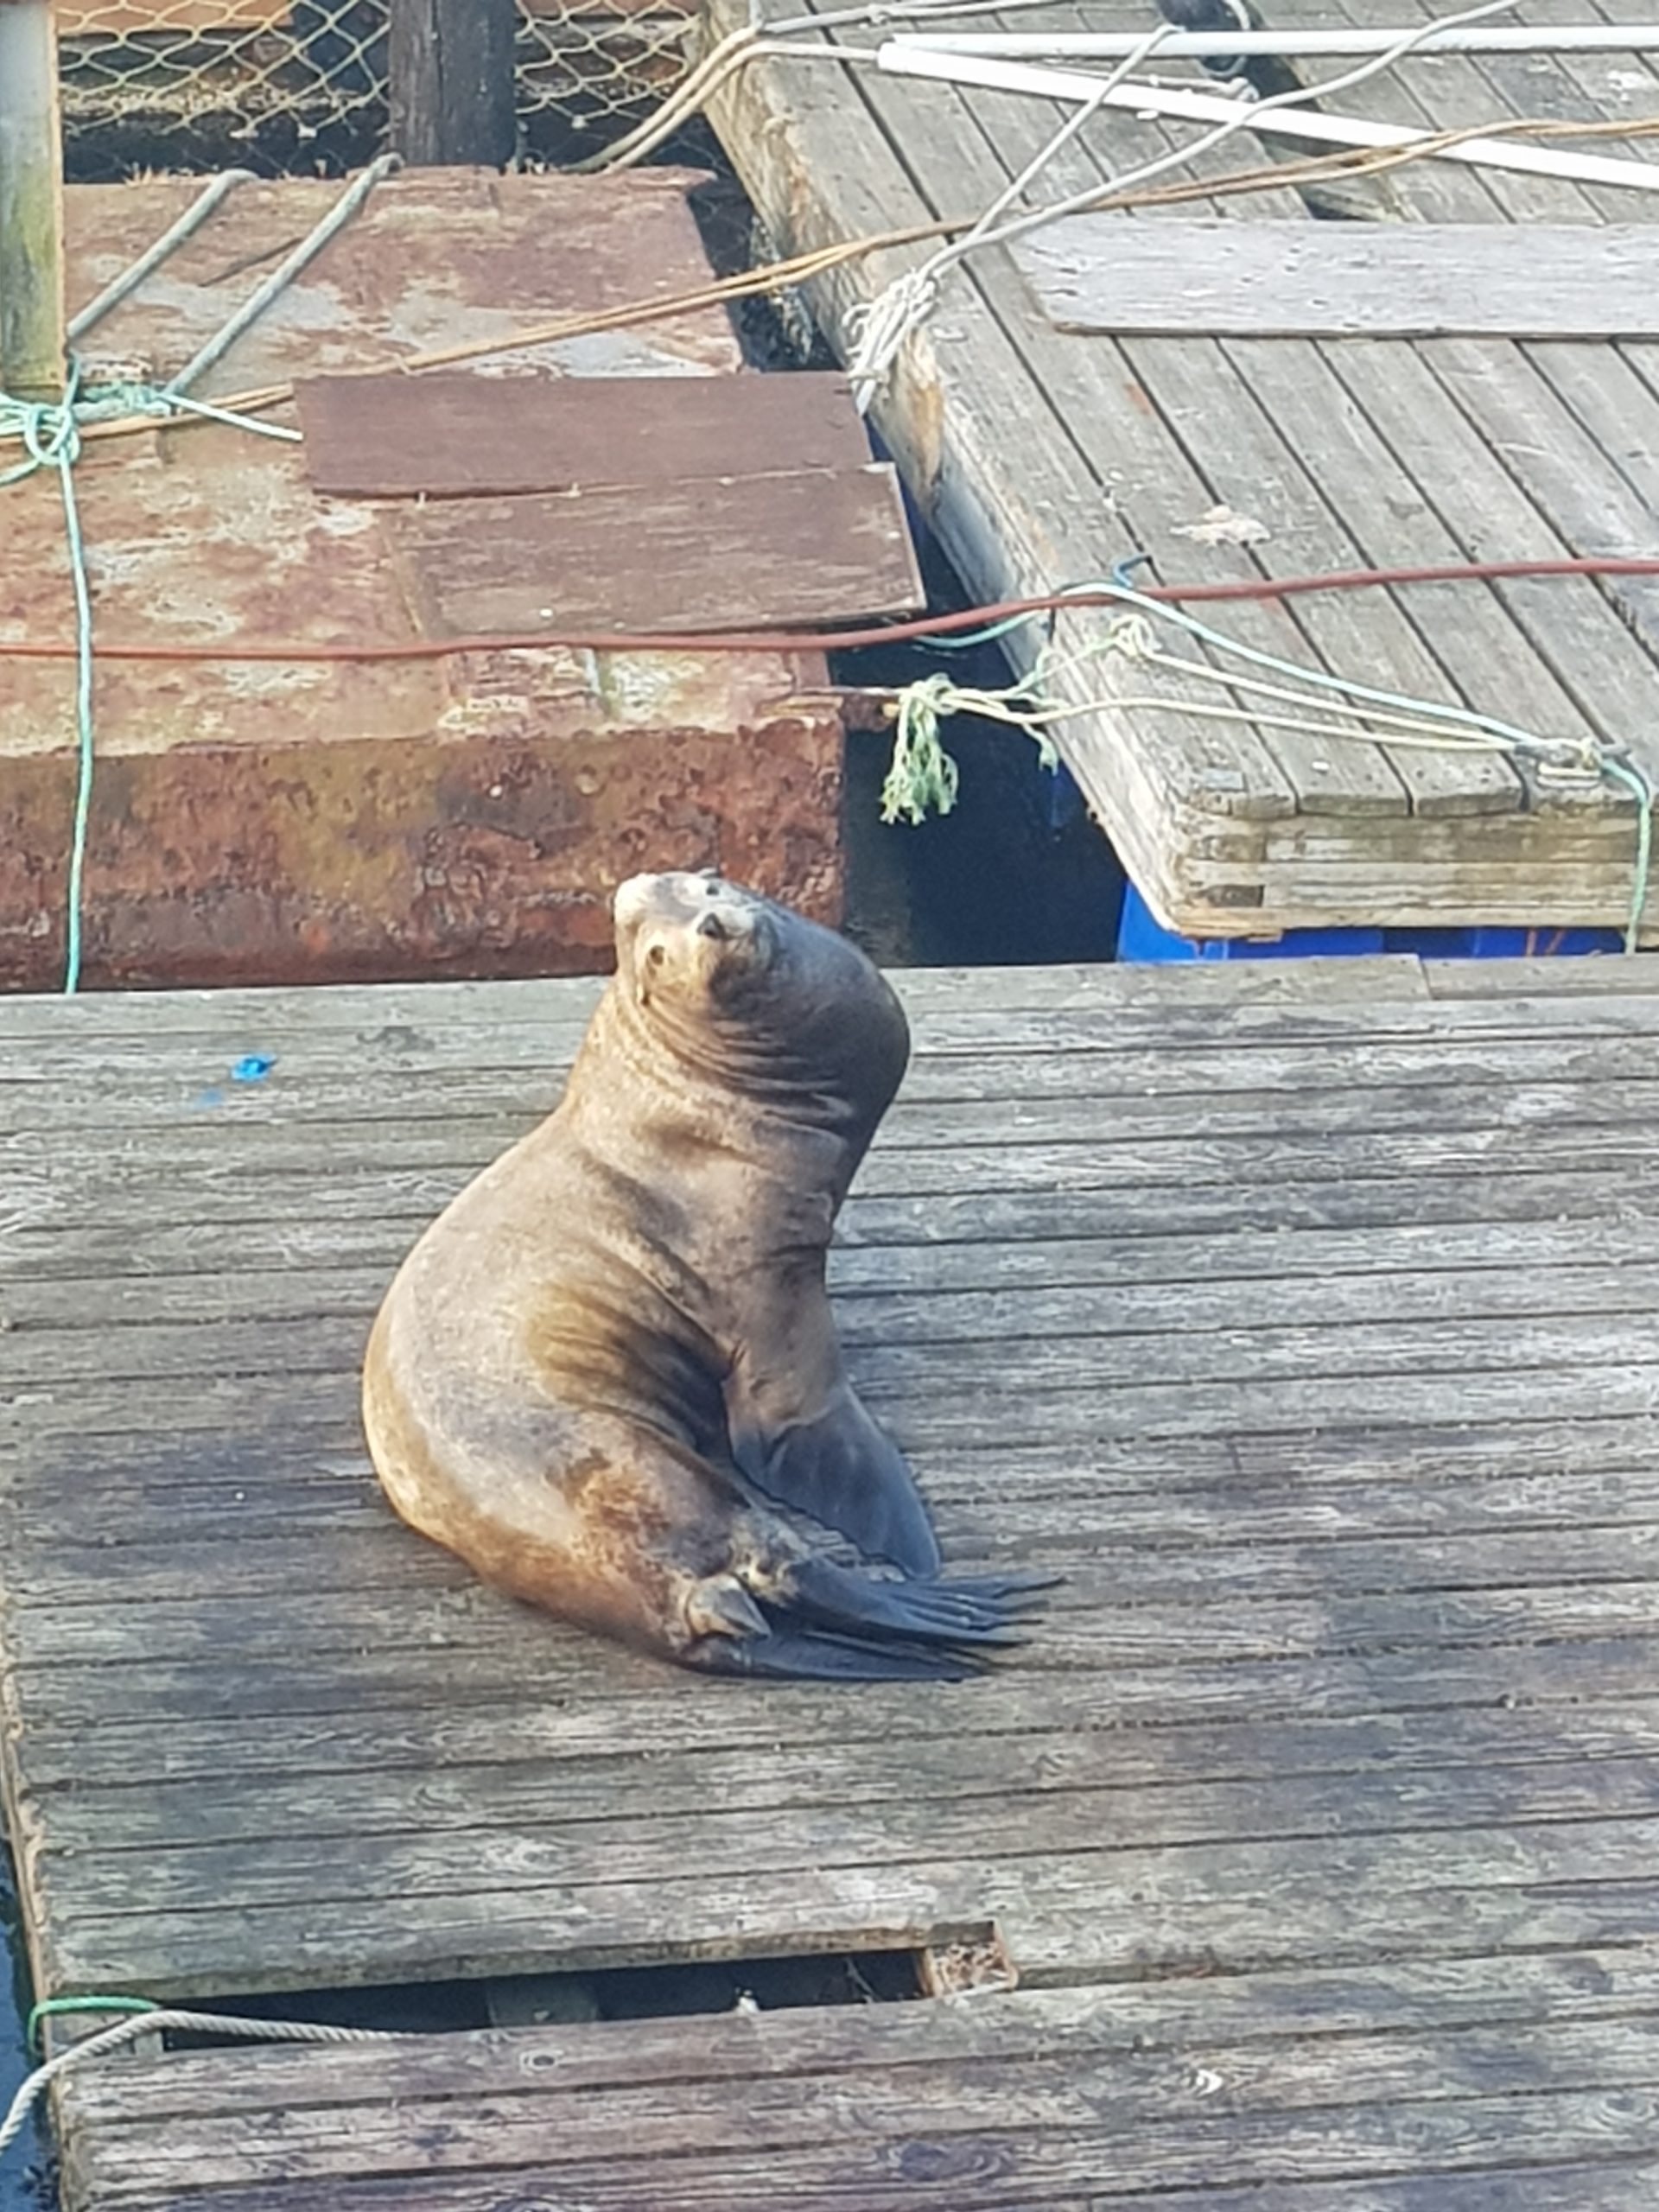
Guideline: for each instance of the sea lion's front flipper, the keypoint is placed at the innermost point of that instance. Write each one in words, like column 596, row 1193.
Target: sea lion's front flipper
column 830, row 1460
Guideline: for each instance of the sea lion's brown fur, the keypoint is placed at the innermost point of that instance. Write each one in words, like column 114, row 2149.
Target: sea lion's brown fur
column 615, row 1346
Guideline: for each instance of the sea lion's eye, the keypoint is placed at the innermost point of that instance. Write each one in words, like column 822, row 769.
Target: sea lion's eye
column 711, row 925
column 655, row 956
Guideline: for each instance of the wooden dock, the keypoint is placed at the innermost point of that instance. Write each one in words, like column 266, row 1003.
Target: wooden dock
column 1043, row 457
column 1304, row 1317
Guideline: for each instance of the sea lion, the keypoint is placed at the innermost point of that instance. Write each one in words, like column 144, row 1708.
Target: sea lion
column 602, row 1369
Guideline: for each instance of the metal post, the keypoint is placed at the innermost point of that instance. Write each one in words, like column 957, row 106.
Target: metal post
column 31, row 204
column 451, row 69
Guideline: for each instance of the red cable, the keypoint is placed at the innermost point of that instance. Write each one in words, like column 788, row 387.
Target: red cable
column 802, row 641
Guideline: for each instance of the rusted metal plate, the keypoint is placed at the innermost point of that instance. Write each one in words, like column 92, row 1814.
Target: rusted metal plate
column 363, row 860
column 447, row 434
column 435, row 258
column 734, row 554
column 325, row 819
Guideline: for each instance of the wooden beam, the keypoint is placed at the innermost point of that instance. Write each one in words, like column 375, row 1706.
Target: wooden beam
column 1103, row 274
column 452, row 81
column 31, row 204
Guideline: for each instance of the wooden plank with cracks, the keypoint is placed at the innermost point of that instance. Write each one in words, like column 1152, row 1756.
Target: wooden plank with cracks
column 798, row 547
column 1108, row 276
column 452, row 436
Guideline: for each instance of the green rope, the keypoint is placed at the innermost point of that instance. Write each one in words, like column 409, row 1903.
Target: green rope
column 921, row 777
column 1636, row 781
column 51, row 2008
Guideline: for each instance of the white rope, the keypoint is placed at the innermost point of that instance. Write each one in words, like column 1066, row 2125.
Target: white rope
column 152, row 2023
column 283, row 275
column 129, row 279
column 922, row 776
column 776, row 41
column 883, row 328
column 895, row 315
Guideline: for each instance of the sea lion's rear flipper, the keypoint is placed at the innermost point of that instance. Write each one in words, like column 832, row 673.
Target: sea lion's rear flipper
column 838, row 1466
column 829, row 1623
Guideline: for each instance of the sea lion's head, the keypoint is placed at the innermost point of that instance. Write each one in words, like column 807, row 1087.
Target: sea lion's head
column 694, row 945
column 734, row 981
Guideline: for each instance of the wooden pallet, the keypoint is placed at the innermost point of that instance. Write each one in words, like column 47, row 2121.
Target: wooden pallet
column 1302, row 1317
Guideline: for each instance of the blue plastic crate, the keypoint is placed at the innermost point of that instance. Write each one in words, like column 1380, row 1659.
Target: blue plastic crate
column 1141, row 937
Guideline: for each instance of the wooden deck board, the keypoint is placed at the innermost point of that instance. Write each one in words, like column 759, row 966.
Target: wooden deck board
column 1311, row 1335
column 1351, row 452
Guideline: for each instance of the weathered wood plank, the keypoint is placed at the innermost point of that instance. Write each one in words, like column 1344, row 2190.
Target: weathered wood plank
column 1085, row 1917
column 504, row 1083
column 216, row 1406
column 923, row 1366
column 1441, row 1262
column 640, row 1703
column 1561, row 2187
column 56, row 1243
column 525, row 1755
column 157, row 1328
column 449, row 436
column 819, row 2184
column 1107, row 274
column 414, row 1014
column 1143, row 2095
column 800, row 546
column 937, row 1808
column 553, row 2062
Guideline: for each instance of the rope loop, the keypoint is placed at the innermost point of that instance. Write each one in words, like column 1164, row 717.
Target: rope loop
column 155, row 2019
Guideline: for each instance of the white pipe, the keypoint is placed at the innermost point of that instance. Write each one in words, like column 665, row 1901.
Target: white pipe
column 1304, row 45
column 907, row 61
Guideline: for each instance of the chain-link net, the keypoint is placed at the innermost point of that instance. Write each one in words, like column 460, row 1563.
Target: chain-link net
column 301, row 85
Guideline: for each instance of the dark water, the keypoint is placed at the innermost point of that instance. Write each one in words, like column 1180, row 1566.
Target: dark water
column 28, row 2180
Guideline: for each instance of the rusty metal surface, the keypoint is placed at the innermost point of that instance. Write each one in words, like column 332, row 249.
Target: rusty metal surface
column 433, row 257
column 327, row 820
column 364, row 860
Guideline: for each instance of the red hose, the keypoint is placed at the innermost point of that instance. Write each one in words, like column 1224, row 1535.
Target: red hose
column 802, row 641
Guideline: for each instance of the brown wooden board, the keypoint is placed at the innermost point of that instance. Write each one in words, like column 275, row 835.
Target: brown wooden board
column 809, row 546
column 1346, row 280
column 452, row 434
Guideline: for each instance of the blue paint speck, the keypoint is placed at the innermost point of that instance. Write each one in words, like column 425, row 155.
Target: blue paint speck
column 252, row 1067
